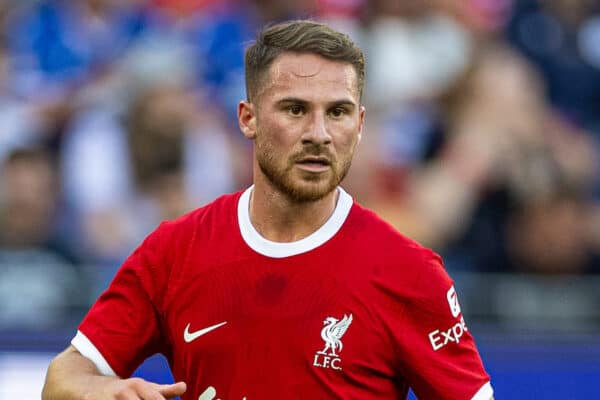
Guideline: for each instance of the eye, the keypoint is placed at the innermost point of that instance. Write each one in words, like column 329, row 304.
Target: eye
column 337, row 112
column 295, row 110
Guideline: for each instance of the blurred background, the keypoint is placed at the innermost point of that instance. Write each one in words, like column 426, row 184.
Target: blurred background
column 481, row 142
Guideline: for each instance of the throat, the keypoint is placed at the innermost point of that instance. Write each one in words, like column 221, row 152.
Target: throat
column 279, row 220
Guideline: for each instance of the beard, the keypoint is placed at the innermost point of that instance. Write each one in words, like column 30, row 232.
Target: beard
column 302, row 187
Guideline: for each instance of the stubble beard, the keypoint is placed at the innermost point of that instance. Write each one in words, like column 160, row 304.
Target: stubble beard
column 307, row 187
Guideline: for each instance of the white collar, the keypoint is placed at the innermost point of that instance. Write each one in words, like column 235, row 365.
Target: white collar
column 278, row 249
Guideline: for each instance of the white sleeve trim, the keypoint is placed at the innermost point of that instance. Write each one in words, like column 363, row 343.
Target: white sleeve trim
column 89, row 351
column 484, row 393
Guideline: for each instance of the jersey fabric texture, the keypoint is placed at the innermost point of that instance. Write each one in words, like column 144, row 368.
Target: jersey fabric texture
column 353, row 311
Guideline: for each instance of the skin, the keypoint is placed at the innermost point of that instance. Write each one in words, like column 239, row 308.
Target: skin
column 71, row 376
column 306, row 122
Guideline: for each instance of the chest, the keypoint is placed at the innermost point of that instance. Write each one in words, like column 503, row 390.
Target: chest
column 273, row 329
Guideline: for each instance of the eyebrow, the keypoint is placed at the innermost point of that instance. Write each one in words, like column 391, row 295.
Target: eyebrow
column 335, row 103
column 293, row 100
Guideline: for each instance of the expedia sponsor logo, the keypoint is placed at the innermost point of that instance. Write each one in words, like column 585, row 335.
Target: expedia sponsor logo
column 441, row 338
column 453, row 302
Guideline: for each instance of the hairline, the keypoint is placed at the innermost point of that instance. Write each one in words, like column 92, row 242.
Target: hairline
column 263, row 76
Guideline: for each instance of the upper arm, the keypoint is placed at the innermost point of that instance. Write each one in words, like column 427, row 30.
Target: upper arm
column 439, row 356
column 72, row 360
column 73, row 356
column 71, row 350
column 123, row 327
column 67, row 365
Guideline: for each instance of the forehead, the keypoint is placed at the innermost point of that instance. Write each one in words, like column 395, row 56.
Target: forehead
column 311, row 78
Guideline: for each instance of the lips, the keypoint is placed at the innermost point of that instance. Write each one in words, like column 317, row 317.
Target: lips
column 314, row 164
column 314, row 160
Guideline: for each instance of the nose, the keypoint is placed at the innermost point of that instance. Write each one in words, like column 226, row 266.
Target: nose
column 317, row 132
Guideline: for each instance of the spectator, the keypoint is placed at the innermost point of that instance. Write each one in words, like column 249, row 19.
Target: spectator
column 160, row 159
column 40, row 286
column 562, row 38
column 492, row 166
column 58, row 45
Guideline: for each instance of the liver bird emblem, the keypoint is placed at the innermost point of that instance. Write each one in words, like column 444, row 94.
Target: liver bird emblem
column 332, row 333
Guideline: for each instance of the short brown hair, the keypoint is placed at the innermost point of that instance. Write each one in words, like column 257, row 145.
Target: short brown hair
column 302, row 36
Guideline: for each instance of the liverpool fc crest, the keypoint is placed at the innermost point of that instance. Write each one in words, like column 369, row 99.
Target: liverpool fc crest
column 332, row 334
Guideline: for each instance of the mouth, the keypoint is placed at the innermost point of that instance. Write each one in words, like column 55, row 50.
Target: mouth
column 314, row 163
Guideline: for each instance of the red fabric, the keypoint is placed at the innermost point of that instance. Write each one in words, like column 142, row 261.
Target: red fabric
column 199, row 271
column 184, row 7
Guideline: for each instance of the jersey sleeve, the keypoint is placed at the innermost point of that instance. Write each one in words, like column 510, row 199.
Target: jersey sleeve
column 440, row 359
column 123, row 327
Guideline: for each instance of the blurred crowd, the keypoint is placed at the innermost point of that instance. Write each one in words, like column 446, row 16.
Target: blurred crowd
column 481, row 141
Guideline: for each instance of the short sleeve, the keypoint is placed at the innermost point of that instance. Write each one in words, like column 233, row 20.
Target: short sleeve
column 123, row 327
column 439, row 356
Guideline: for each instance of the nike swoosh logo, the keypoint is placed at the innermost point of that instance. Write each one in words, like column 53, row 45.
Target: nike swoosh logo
column 190, row 336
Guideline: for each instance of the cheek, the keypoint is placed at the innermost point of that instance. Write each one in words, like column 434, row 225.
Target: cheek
column 350, row 149
column 281, row 134
column 270, row 141
column 348, row 138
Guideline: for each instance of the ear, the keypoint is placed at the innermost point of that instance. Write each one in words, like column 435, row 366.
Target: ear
column 247, row 119
column 361, row 122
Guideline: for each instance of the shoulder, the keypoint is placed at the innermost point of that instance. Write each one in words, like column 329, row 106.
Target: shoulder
column 172, row 238
column 163, row 253
column 402, row 264
column 380, row 235
column 220, row 209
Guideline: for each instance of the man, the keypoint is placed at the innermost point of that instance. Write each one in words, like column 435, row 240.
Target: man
column 288, row 289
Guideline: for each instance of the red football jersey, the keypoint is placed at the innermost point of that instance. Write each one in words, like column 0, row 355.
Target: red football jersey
column 353, row 311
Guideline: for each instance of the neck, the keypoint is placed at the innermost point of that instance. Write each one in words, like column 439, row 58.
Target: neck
column 280, row 219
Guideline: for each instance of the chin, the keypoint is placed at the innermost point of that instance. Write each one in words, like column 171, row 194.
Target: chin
column 298, row 186
column 306, row 195
column 308, row 191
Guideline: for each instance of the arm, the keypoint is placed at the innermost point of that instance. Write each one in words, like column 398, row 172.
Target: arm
column 439, row 358
column 71, row 376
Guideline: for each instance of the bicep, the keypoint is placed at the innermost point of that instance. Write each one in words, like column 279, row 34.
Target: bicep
column 123, row 327
column 71, row 358
column 439, row 353
column 67, row 375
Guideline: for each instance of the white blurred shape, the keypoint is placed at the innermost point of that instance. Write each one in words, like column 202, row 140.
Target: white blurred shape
column 22, row 375
column 589, row 41
column 415, row 59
